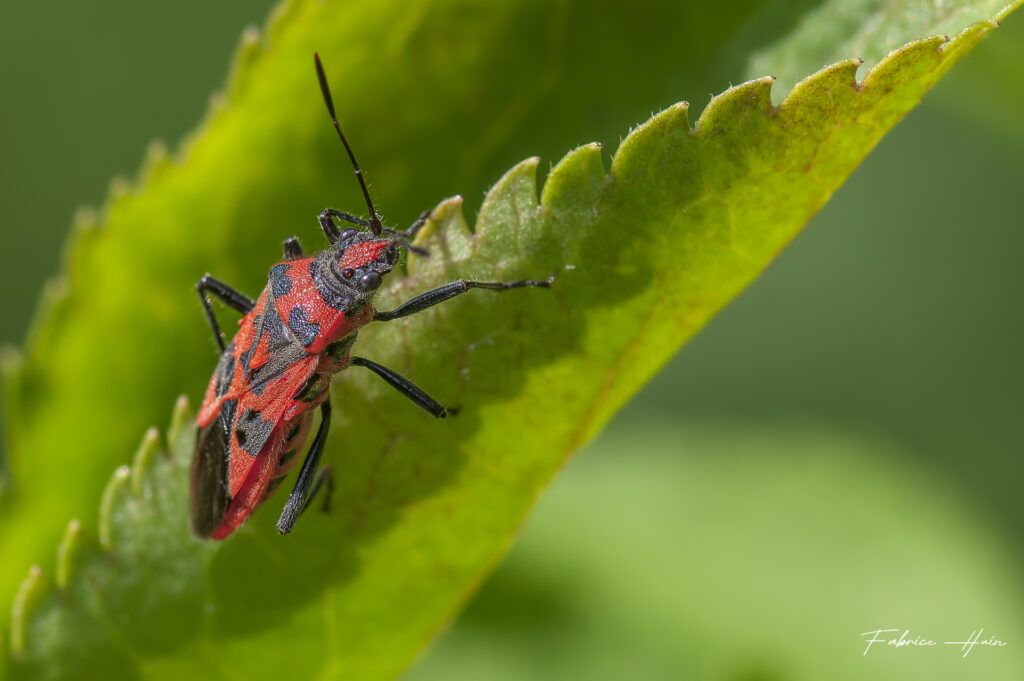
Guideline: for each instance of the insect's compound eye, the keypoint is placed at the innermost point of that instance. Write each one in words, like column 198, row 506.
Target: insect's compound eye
column 348, row 274
column 347, row 234
column 370, row 280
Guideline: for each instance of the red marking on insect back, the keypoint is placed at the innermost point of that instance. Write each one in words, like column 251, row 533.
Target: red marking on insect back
column 362, row 254
column 333, row 323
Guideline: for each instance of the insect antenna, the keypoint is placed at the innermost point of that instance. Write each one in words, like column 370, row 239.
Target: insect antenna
column 375, row 224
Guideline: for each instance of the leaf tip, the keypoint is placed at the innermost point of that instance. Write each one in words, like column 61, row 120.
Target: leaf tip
column 446, row 230
column 144, row 458
column 29, row 593
column 673, row 120
column 576, row 178
column 118, row 483
column 181, row 418
column 737, row 102
column 67, row 551
column 11, row 360
column 250, row 36
column 86, row 219
column 157, row 159
column 120, row 186
column 842, row 73
column 519, row 181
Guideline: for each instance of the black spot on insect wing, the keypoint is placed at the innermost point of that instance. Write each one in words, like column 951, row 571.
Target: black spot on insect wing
column 280, row 282
column 252, row 432
column 305, row 330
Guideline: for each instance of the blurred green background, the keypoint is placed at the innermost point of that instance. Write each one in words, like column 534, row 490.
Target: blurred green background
column 839, row 451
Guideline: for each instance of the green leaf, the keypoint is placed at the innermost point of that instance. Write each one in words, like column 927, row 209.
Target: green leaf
column 747, row 551
column 645, row 255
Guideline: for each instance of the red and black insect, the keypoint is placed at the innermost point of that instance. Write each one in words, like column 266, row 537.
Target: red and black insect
column 258, row 408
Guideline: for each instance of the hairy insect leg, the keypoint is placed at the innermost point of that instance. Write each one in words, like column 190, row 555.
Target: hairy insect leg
column 305, row 488
column 415, row 227
column 449, row 291
column 331, row 230
column 406, row 387
column 292, row 248
column 225, row 293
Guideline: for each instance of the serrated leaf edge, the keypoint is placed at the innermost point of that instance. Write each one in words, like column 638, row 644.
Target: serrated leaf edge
column 749, row 95
column 125, row 479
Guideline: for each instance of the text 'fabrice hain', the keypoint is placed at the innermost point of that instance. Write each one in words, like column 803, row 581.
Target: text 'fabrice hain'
column 890, row 639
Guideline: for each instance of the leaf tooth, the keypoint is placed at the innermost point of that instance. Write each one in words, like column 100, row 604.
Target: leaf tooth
column 827, row 80
column 575, row 181
column 967, row 38
column 509, row 211
column 634, row 153
column 118, row 485
column 156, row 162
column 446, row 236
column 181, row 418
column 12, row 367
column 32, row 589
column 120, row 186
column 998, row 18
column 902, row 64
column 250, row 50
column 86, row 219
column 520, row 182
column 68, row 551
column 736, row 104
column 144, row 458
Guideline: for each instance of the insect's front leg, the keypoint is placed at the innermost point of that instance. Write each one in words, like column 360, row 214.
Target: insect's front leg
column 292, row 248
column 305, row 488
column 331, row 230
column 449, row 291
column 225, row 293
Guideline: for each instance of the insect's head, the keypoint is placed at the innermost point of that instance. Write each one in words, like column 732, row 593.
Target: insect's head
column 362, row 259
column 359, row 259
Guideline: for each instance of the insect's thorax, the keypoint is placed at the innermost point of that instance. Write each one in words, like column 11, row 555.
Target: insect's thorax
column 313, row 305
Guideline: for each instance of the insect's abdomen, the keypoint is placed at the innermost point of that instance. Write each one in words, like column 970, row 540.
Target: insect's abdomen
column 278, row 456
column 288, row 446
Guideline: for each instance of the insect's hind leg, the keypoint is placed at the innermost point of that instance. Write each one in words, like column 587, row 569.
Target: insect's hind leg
column 406, row 387
column 305, row 488
column 232, row 296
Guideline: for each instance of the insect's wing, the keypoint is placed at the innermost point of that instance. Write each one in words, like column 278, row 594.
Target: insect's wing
column 210, row 495
column 248, row 455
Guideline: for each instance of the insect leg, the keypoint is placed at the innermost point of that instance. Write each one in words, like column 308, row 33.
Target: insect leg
column 298, row 499
column 227, row 294
column 326, row 475
column 330, row 229
column 404, row 386
column 418, row 225
column 449, row 291
column 292, row 248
